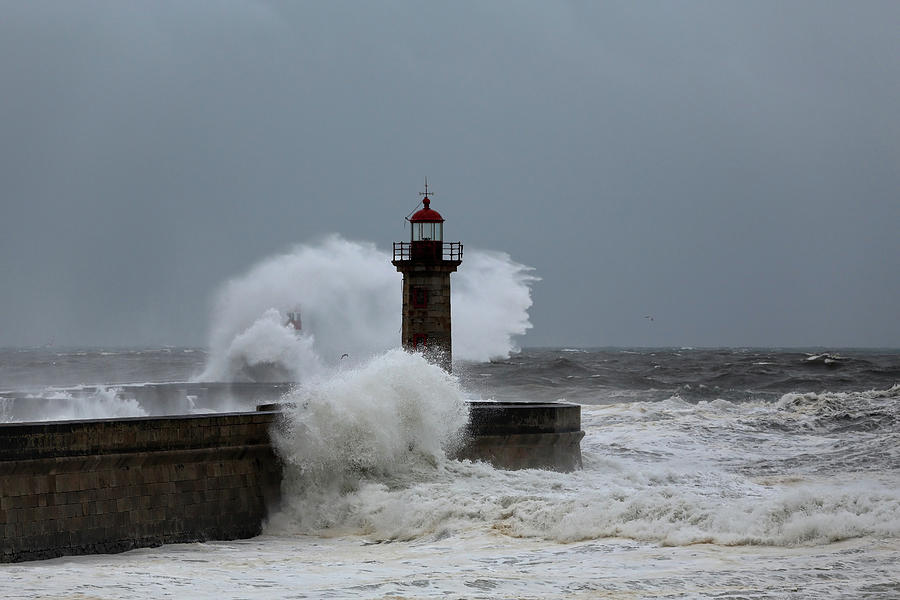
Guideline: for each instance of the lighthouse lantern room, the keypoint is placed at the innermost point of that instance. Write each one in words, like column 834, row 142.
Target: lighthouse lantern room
column 426, row 262
column 427, row 224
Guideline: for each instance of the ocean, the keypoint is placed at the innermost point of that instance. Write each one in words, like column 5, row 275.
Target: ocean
column 708, row 473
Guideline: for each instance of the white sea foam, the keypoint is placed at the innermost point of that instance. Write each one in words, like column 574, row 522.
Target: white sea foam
column 672, row 506
column 348, row 294
column 100, row 403
column 668, row 506
column 670, row 473
column 386, row 423
column 876, row 410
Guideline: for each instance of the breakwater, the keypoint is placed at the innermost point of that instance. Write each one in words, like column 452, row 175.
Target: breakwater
column 109, row 485
column 524, row 435
column 83, row 487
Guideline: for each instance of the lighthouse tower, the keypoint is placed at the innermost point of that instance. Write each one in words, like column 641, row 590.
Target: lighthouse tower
column 426, row 262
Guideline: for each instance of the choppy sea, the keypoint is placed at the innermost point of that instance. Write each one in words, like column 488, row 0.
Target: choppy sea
column 708, row 473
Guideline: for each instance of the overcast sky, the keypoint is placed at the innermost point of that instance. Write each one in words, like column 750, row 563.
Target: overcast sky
column 731, row 168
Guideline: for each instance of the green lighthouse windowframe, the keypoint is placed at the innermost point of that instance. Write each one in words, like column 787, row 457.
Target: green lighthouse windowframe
column 419, row 296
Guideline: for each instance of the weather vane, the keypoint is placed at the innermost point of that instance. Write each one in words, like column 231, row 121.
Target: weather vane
column 425, row 193
column 425, row 196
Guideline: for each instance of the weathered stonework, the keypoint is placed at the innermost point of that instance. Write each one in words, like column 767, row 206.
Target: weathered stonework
column 433, row 319
column 524, row 435
column 80, row 487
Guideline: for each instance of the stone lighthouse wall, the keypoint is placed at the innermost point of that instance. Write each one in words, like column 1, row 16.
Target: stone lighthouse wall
column 426, row 309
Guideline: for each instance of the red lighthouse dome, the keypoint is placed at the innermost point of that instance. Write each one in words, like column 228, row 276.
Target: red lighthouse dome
column 427, row 214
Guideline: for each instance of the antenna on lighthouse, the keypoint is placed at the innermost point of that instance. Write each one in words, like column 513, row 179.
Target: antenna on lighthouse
column 425, row 193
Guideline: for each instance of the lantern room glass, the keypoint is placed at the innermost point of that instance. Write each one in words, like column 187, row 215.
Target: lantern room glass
column 427, row 231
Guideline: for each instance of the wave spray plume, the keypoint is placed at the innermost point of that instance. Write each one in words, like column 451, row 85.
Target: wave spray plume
column 349, row 297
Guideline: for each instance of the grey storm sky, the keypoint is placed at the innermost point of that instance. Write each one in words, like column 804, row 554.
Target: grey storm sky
column 731, row 168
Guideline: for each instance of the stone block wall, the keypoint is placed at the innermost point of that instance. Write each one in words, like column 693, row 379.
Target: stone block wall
column 433, row 318
column 80, row 487
column 524, row 435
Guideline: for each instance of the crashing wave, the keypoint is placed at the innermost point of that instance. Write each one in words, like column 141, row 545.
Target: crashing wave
column 825, row 359
column 349, row 296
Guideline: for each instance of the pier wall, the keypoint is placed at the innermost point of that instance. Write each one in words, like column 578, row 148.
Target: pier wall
column 84, row 487
column 524, row 435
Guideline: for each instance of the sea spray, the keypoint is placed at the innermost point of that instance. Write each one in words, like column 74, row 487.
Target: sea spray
column 490, row 298
column 348, row 296
column 270, row 351
column 103, row 402
column 343, row 290
column 385, row 424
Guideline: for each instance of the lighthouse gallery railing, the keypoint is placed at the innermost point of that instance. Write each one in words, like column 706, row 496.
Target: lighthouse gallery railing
column 425, row 249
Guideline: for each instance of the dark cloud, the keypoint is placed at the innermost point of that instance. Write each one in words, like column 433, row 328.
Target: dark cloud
column 729, row 168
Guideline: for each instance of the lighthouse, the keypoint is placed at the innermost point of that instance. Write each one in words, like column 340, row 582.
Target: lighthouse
column 426, row 262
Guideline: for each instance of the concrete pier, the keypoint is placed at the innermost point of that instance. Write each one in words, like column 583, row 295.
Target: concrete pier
column 525, row 435
column 108, row 485
column 86, row 487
